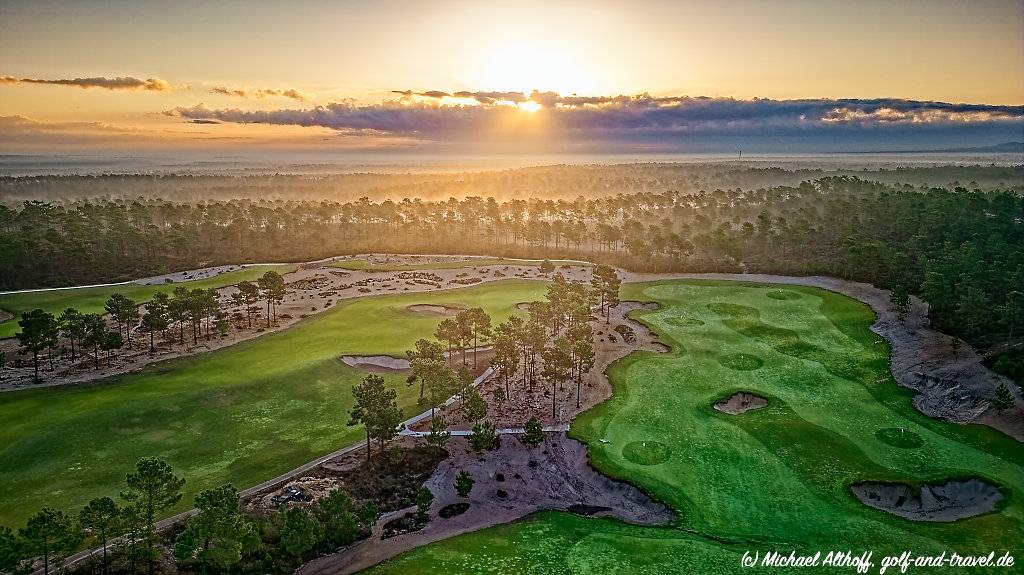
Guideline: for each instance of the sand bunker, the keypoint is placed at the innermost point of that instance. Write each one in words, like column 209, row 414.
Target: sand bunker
column 940, row 503
column 741, row 361
column 377, row 363
column 5, row 315
column 898, row 437
column 434, row 309
column 741, row 402
column 523, row 306
column 646, row 452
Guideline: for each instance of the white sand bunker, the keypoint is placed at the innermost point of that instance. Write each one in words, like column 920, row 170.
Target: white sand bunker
column 741, row 402
column 5, row 315
column 434, row 309
column 377, row 363
column 523, row 306
column 940, row 503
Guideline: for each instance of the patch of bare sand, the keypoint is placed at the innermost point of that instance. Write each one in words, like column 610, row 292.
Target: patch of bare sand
column 555, row 475
column 950, row 381
column 5, row 315
column 741, row 402
column 377, row 363
column 946, row 502
column 434, row 309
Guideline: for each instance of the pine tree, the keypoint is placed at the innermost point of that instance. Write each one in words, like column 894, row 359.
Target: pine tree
column 39, row 330
column 1003, row 399
column 377, row 409
column 463, row 483
column 533, row 433
column 153, row 488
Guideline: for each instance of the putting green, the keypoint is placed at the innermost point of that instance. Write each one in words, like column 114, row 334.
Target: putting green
column 92, row 299
column 772, row 479
column 241, row 414
column 897, row 437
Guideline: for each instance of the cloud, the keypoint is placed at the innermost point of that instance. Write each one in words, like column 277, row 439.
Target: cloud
column 642, row 118
column 20, row 134
column 260, row 93
column 119, row 83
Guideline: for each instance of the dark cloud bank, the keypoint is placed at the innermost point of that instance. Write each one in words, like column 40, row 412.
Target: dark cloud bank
column 119, row 83
column 655, row 123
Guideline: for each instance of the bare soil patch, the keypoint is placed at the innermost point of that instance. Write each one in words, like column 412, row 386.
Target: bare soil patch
column 434, row 309
column 390, row 479
column 741, row 402
column 377, row 363
column 946, row 502
column 555, row 475
column 310, row 283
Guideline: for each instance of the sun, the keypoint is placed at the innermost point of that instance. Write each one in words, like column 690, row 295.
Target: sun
column 529, row 106
column 524, row 68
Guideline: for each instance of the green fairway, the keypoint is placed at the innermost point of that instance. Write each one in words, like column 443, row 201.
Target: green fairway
column 550, row 543
column 772, row 479
column 365, row 265
column 242, row 414
column 92, row 299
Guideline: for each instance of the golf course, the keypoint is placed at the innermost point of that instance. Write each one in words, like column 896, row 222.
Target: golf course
column 238, row 415
column 92, row 299
column 775, row 478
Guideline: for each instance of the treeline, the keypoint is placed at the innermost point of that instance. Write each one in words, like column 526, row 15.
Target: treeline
column 220, row 537
column 41, row 331
column 556, row 182
column 962, row 250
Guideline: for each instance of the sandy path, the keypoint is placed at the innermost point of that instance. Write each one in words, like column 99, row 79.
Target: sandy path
column 952, row 384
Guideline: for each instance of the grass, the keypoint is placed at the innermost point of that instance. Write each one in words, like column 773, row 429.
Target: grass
column 92, row 299
column 550, row 543
column 776, row 478
column 365, row 265
column 241, row 414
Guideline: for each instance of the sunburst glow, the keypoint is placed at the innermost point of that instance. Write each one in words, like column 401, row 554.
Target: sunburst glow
column 524, row 68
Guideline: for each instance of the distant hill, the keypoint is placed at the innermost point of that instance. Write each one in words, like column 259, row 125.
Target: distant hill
column 1004, row 148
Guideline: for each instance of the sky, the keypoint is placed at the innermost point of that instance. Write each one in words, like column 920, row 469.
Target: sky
column 524, row 76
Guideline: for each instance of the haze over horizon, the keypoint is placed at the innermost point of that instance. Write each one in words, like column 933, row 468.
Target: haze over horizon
column 460, row 79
